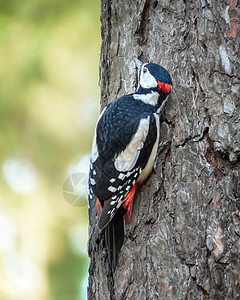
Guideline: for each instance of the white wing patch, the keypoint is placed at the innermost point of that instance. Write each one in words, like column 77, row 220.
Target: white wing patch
column 127, row 159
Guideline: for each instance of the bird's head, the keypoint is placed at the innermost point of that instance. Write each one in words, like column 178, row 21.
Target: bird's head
column 153, row 77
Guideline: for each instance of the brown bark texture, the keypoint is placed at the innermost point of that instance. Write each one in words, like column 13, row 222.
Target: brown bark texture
column 183, row 241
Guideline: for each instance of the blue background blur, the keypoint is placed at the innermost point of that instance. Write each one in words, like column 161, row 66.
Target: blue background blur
column 49, row 103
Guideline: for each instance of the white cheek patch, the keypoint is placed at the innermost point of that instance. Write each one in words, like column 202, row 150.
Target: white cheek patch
column 147, row 81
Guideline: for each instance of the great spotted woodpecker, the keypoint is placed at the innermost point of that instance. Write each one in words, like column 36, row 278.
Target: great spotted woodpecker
column 124, row 149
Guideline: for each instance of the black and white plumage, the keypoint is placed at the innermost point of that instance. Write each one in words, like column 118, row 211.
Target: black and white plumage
column 124, row 148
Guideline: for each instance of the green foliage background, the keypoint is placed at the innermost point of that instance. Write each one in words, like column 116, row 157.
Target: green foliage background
column 49, row 55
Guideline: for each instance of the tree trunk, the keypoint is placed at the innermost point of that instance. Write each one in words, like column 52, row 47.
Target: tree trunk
column 183, row 240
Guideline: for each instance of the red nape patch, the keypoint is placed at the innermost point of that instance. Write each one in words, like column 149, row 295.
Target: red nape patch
column 164, row 87
column 128, row 202
column 98, row 205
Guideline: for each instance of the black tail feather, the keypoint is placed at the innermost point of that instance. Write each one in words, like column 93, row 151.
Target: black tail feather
column 114, row 236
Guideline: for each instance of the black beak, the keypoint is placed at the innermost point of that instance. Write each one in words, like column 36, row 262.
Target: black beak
column 138, row 64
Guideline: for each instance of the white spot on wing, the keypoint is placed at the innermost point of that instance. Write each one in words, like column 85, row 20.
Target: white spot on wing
column 92, row 181
column 121, row 176
column 110, row 212
column 119, row 203
column 112, row 189
column 112, row 180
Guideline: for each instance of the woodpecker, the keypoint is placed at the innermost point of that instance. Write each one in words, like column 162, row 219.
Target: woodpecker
column 124, row 150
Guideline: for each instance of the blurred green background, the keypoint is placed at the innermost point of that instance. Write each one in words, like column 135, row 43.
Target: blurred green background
column 49, row 103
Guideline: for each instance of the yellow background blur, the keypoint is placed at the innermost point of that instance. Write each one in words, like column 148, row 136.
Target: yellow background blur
column 49, row 95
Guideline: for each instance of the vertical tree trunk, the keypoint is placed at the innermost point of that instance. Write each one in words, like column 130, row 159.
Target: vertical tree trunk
column 183, row 240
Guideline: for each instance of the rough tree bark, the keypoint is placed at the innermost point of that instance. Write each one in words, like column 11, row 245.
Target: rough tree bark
column 183, row 240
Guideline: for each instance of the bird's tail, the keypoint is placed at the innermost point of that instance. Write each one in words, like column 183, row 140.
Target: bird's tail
column 114, row 236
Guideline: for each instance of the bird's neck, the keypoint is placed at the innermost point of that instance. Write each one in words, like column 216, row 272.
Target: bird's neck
column 150, row 96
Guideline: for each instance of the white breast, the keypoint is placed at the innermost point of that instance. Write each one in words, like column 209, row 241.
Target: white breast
column 149, row 166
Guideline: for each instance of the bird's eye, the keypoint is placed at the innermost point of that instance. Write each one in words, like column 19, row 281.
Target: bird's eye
column 145, row 70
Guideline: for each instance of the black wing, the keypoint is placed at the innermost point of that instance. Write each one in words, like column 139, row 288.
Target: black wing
column 123, row 144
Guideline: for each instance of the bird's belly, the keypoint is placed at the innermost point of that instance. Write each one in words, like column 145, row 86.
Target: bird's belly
column 149, row 166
